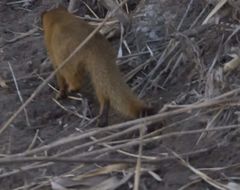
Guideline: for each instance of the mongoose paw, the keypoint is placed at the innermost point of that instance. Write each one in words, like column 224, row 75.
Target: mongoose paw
column 61, row 95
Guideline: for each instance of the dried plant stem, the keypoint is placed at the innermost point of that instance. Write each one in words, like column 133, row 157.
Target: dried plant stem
column 147, row 120
column 19, row 94
column 153, row 139
column 139, row 160
column 185, row 15
column 202, row 175
column 82, row 157
column 37, row 165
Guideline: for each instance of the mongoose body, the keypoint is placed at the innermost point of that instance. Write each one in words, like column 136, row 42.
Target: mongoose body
column 63, row 32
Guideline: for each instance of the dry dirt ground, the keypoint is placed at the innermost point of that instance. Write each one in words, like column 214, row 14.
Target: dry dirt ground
column 181, row 70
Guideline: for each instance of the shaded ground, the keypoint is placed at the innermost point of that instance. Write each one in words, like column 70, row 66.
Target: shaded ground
column 175, row 81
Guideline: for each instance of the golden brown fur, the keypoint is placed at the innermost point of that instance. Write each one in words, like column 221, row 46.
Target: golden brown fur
column 63, row 32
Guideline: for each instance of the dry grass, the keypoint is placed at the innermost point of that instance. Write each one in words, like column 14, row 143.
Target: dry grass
column 107, row 158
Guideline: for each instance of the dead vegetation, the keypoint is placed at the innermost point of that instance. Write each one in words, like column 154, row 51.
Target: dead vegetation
column 181, row 56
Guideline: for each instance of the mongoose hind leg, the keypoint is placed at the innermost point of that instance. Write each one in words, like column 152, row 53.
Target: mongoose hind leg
column 61, row 82
column 75, row 80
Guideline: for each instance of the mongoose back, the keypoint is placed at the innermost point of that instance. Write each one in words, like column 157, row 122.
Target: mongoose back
column 63, row 32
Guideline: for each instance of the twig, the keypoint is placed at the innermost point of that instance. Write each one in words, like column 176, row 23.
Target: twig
column 19, row 94
column 177, row 63
column 171, row 47
column 25, row 168
column 70, row 111
column 153, row 139
column 220, row 47
column 190, row 184
column 210, row 124
column 185, row 15
column 57, row 91
column 137, row 69
column 48, row 164
column 79, row 158
column 122, row 151
column 147, row 120
column 233, row 33
column 199, row 16
column 120, row 13
column 121, row 133
column 124, row 180
column 167, row 68
column 33, row 141
column 202, row 175
column 89, row 8
column 219, row 5
column 139, row 161
column 78, row 137
column 177, row 123
column 29, row 76
column 236, row 165
column 21, row 36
